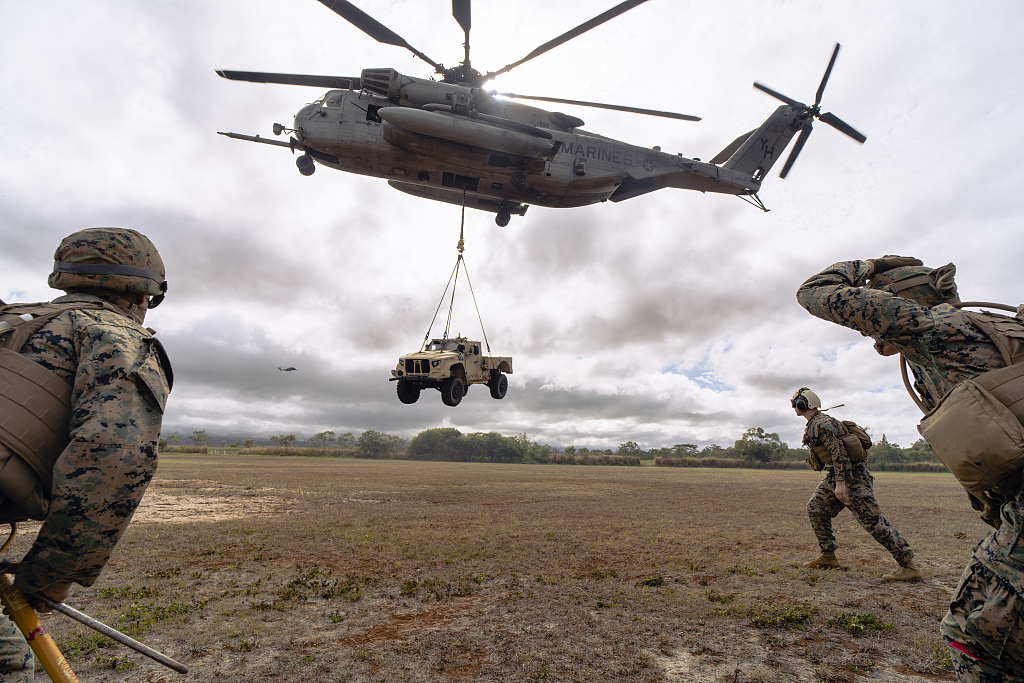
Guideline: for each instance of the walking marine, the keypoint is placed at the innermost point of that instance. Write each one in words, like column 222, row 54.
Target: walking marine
column 82, row 392
column 847, row 483
column 908, row 309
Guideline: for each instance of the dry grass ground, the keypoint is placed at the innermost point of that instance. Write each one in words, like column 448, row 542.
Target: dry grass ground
column 285, row 569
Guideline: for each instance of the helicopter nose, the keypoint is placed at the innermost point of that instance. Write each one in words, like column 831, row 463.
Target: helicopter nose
column 305, row 114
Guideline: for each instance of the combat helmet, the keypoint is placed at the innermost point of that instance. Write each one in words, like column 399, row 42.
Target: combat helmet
column 928, row 287
column 110, row 259
column 805, row 399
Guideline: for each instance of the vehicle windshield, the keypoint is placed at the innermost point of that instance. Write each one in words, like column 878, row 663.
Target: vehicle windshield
column 443, row 345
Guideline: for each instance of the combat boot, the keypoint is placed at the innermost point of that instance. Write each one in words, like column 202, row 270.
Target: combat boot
column 908, row 571
column 827, row 560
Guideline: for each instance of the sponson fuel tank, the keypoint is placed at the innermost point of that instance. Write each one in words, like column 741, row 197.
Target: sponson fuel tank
column 466, row 131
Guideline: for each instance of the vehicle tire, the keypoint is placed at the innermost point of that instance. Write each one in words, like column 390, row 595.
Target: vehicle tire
column 408, row 392
column 305, row 164
column 452, row 391
column 502, row 218
column 498, row 385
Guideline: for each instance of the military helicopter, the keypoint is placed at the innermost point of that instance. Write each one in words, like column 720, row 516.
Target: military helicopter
column 452, row 141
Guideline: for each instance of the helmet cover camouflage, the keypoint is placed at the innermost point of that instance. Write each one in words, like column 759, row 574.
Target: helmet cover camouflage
column 112, row 259
column 810, row 398
column 924, row 285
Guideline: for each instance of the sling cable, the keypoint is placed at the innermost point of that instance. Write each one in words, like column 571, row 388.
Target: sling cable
column 453, row 280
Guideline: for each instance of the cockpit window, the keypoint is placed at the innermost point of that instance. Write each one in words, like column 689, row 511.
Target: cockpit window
column 334, row 99
column 434, row 346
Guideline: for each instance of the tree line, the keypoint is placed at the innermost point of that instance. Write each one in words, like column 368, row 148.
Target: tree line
column 755, row 446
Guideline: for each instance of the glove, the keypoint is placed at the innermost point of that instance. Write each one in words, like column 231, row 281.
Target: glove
column 880, row 265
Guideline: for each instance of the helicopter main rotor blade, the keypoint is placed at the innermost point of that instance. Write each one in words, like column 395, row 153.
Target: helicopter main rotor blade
column 569, row 35
column 779, row 96
column 801, row 140
column 843, row 127
column 373, row 28
column 329, row 82
column 599, row 105
column 462, row 14
column 824, row 79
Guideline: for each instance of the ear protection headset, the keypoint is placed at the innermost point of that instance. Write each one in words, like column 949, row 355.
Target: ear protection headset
column 799, row 401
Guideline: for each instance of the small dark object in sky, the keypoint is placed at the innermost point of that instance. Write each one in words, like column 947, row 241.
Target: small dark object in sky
column 288, row 369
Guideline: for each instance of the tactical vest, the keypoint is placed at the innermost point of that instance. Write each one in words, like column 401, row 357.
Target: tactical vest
column 855, row 440
column 35, row 406
column 977, row 428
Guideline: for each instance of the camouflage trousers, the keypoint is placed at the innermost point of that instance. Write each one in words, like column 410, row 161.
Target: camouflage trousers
column 987, row 611
column 824, row 506
column 16, row 663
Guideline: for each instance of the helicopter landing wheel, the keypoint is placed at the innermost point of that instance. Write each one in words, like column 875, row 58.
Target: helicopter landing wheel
column 502, row 218
column 305, row 164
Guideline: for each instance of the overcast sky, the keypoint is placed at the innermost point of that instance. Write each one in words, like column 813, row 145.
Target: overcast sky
column 668, row 318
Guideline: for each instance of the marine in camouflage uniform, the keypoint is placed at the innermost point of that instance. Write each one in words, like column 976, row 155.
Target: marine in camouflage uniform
column 985, row 622
column 120, row 381
column 856, row 493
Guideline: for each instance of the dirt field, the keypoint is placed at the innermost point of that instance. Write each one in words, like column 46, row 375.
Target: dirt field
column 268, row 568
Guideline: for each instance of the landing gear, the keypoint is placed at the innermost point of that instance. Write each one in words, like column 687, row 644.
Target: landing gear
column 498, row 385
column 305, row 164
column 408, row 392
column 452, row 391
column 503, row 218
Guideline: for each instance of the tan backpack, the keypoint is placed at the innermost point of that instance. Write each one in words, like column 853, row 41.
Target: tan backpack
column 855, row 440
column 977, row 428
column 35, row 405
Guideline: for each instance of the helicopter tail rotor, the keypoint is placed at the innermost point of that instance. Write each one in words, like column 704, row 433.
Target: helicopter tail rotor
column 809, row 113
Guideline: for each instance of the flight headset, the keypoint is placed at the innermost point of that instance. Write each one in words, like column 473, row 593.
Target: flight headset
column 799, row 401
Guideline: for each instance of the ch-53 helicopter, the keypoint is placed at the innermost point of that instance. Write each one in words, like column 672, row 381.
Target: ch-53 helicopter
column 451, row 140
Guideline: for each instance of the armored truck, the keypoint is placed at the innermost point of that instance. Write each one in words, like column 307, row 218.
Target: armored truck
column 450, row 366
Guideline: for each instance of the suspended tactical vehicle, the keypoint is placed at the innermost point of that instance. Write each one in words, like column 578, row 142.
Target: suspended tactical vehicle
column 450, row 366
column 452, row 141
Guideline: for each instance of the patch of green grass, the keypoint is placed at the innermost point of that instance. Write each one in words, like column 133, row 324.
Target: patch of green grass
column 315, row 582
column 719, row 597
column 653, row 581
column 741, row 569
column 129, row 592
column 77, row 645
column 856, row 623
column 940, row 653
column 276, row 605
column 118, row 664
column 166, row 573
column 140, row 616
column 774, row 614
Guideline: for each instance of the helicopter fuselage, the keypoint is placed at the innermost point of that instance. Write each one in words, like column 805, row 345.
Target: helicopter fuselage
column 443, row 141
column 452, row 141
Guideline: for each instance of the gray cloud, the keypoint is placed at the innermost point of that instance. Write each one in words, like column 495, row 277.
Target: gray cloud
column 665, row 319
